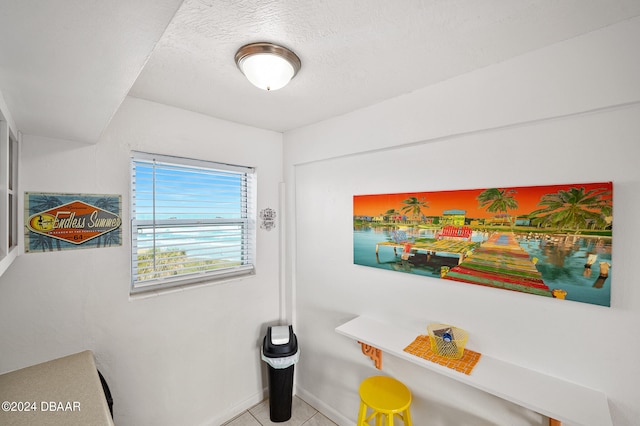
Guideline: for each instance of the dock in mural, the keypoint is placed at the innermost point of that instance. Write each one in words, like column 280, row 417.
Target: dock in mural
column 457, row 248
column 502, row 263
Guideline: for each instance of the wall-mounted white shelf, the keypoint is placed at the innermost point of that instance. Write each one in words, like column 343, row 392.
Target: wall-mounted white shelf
column 558, row 399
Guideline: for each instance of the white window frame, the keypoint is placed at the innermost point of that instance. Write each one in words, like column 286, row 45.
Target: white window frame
column 9, row 163
column 160, row 228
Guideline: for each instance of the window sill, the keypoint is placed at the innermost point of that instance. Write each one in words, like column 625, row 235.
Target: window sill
column 145, row 293
column 7, row 260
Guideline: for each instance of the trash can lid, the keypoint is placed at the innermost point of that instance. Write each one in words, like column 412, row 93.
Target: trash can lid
column 279, row 342
column 280, row 335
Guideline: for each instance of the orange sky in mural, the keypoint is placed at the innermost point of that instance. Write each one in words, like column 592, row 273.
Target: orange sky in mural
column 526, row 196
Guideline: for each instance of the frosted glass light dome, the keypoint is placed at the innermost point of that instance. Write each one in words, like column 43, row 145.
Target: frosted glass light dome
column 266, row 65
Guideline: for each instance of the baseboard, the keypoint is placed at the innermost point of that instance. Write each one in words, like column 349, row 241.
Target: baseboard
column 236, row 410
column 326, row 410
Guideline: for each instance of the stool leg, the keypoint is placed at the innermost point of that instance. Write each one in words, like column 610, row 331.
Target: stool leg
column 362, row 414
column 379, row 419
column 390, row 419
column 407, row 418
column 374, row 415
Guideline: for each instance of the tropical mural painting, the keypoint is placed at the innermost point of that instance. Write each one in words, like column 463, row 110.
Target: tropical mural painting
column 56, row 221
column 552, row 241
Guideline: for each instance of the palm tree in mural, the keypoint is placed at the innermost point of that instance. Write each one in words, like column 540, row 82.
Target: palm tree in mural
column 110, row 204
column 414, row 206
column 574, row 209
column 390, row 214
column 498, row 200
column 37, row 205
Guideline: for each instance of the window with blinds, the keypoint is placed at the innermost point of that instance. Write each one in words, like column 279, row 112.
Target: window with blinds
column 191, row 221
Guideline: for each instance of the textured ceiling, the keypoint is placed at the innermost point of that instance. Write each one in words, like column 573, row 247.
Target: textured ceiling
column 66, row 66
column 354, row 53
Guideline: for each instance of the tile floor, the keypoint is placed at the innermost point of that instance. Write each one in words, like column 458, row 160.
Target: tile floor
column 301, row 414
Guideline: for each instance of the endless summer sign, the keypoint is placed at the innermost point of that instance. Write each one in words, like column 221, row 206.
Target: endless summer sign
column 64, row 221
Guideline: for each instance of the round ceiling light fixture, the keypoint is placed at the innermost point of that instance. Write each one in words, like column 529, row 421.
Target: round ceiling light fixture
column 267, row 65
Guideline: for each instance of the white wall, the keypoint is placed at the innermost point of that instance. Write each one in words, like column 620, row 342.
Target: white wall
column 565, row 114
column 188, row 357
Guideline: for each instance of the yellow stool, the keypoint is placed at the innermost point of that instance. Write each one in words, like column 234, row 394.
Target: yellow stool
column 386, row 397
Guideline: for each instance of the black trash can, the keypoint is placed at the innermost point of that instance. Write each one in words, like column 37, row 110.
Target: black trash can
column 280, row 352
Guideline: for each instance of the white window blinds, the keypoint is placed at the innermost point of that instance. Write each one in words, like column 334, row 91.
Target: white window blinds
column 192, row 221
